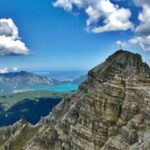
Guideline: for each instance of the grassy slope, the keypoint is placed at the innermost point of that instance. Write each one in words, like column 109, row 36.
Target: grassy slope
column 7, row 102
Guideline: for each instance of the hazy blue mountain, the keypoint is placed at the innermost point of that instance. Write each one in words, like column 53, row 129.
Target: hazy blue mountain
column 63, row 75
column 19, row 81
column 79, row 80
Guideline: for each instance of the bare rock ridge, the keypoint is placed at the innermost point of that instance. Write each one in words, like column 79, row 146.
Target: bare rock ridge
column 109, row 111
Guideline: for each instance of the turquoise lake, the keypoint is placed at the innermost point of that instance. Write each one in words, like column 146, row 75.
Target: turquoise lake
column 59, row 88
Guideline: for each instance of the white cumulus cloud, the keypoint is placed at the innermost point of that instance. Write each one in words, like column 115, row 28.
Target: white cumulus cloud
column 142, row 31
column 6, row 69
column 144, row 17
column 10, row 42
column 15, row 69
column 118, row 20
column 102, row 15
column 143, row 42
column 138, row 41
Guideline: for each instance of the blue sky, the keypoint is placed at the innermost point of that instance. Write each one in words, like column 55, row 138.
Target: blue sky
column 57, row 38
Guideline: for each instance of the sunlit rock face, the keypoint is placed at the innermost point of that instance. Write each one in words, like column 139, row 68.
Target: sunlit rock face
column 110, row 111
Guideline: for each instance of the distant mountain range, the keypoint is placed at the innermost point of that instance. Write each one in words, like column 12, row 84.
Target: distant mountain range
column 16, row 81
column 79, row 80
column 62, row 75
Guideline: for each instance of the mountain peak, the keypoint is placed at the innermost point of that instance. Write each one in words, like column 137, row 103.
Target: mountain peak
column 122, row 63
column 126, row 57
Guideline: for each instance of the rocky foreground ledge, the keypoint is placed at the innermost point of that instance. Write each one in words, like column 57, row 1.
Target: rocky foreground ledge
column 109, row 111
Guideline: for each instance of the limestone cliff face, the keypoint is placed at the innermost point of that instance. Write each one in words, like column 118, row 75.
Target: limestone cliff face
column 110, row 111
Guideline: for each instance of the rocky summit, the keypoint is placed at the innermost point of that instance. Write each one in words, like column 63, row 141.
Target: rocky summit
column 109, row 111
